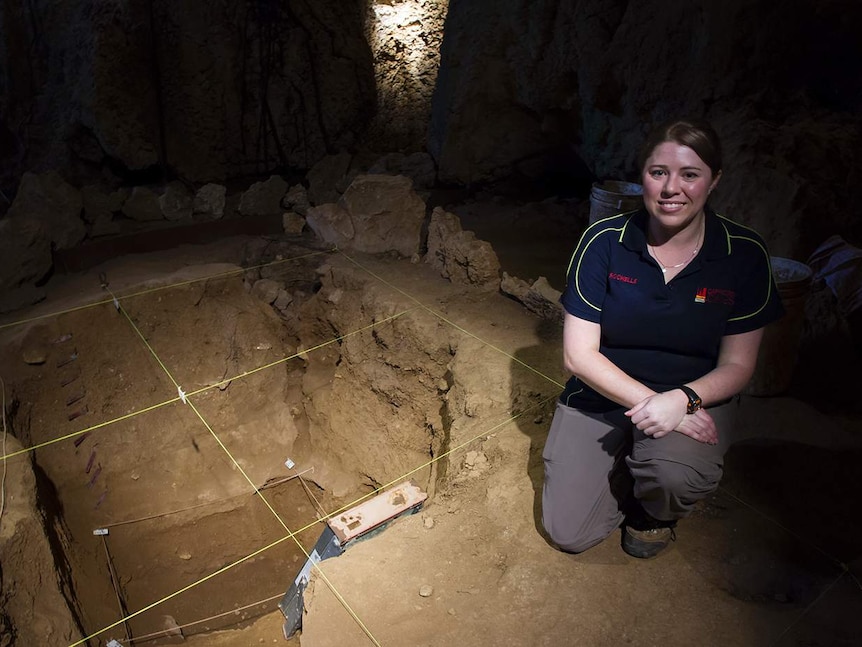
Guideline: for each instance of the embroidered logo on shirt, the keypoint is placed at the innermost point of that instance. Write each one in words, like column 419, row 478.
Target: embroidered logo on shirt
column 620, row 277
column 715, row 295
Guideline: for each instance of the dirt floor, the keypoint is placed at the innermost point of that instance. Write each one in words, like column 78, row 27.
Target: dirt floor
column 167, row 421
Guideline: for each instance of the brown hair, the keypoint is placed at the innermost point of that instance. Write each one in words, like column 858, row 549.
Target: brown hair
column 695, row 133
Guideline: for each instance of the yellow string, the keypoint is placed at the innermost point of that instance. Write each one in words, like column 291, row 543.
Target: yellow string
column 245, row 475
column 143, row 339
column 290, row 535
column 209, row 277
column 170, row 596
column 438, row 457
column 448, row 321
column 167, row 632
column 206, row 388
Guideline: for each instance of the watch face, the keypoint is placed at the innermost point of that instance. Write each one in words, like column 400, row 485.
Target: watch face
column 694, row 401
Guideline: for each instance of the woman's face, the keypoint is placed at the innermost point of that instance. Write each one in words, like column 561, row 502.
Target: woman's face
column 676, row 184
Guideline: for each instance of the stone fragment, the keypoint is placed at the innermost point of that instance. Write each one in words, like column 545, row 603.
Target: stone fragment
column 540, row 297
column 34, row 352
column 458, row 255
column 264, row 198
column 49, row 199
column 171, row 627
column 210, row 200
column 176, row 202
column 283, row 300
column 428, row 522
column 331, row 223
column 293, row 223
column 267, row 290
column 296, row 199
column 475, row 460
column 426, row 590
column 143, row 205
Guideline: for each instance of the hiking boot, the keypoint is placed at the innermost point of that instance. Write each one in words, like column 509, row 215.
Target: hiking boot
column 645, row 544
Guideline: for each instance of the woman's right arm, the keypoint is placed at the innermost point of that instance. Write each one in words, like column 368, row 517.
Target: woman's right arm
column 581, row 340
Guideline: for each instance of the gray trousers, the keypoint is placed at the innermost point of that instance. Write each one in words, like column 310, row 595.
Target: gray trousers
column 584, row 457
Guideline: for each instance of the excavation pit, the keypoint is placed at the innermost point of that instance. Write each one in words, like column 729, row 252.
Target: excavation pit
column 194, row 393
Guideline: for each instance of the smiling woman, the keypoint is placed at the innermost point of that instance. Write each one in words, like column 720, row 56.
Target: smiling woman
column 681, row 167
column 665, row 309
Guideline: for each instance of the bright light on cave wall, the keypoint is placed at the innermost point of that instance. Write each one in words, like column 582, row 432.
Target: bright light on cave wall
column 400, row 32
column 405, row 38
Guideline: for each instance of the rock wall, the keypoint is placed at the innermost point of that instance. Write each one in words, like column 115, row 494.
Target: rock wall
column 405, row 38
column 555, row 93
column 526, row 86
column 210, row 90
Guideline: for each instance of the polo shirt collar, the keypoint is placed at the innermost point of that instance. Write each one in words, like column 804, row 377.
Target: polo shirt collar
column 716, row 242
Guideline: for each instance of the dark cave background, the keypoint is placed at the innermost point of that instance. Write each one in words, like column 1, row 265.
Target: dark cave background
column 530, row 97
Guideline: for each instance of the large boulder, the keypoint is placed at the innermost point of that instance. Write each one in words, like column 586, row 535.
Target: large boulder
column 264, row 198
column 386, row 213
column 296, row 199
column 377, row 213
column 331, row 223
column 210, row 201
column 458, row 255
column 419, row 167
column 176, row 202
column 57, row 205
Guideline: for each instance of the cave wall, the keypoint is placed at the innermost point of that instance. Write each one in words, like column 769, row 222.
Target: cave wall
column 405, row 38
column 526, row 90
column 209, row 90
column 526, row 85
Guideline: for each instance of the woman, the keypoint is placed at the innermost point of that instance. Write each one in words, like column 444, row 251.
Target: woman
column 665, row 309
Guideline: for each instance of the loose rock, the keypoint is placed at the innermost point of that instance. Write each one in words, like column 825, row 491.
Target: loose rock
column 458, row 255
column 264, row 198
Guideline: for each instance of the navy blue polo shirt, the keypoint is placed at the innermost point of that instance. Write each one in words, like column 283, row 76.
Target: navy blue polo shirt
column 664, row 335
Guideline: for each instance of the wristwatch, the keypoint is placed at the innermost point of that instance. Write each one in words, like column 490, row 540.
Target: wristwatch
column 694, row 401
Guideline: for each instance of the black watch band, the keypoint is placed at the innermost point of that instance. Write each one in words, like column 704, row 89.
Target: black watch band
column 694, row 401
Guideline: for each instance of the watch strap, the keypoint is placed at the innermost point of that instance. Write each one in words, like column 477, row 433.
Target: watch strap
column 694, row 401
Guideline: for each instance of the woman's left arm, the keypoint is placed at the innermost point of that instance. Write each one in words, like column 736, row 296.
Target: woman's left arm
column 662, row 413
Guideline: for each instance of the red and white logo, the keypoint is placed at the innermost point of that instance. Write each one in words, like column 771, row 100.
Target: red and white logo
column 715, row 295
